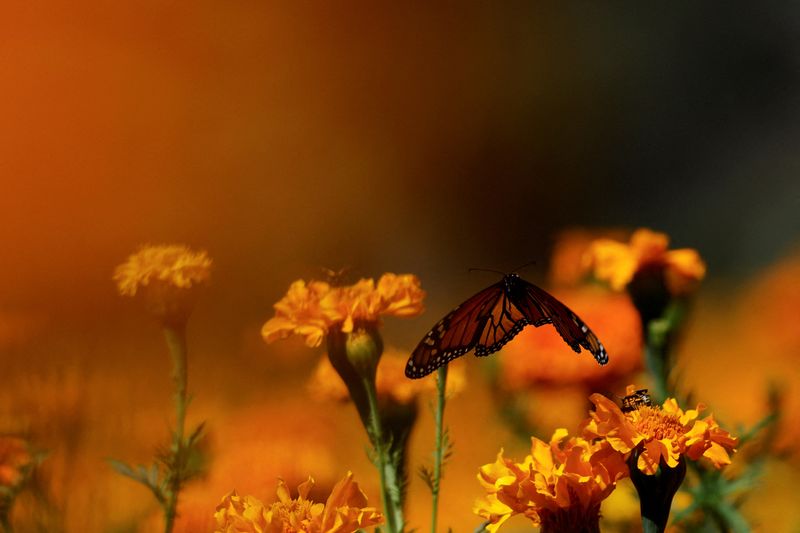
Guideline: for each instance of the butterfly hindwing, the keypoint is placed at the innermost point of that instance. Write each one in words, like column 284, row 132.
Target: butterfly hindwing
column 540, row 307
column 503, row 323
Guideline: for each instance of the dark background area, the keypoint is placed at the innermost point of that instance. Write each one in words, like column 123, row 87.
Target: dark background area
column 395, row 137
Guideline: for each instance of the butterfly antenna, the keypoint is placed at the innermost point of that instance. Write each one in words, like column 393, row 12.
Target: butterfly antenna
column 529, row 263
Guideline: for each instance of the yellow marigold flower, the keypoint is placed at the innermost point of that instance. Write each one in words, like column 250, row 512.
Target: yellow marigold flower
column 344, row 512
column 567, row 267
column 663, row 433
column 310, row 310
column 559, row 486
column 165, row 275
column 391, row 384
column 14, row 458
column 617, row 262
column 176, row 265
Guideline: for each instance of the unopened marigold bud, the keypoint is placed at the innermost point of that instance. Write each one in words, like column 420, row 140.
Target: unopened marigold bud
column 364, row 347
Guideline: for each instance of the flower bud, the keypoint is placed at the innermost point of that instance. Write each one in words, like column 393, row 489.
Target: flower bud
column 364, row 347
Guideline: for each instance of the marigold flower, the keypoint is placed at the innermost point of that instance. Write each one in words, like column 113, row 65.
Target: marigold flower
column 663, row 433
column 166, row 276
column 310, row 310
column 618, row 263
column 391, row 383
column 299, row 312
column 559, row 486
column 344, row 512
column 15, row 457
column 176, row 265
column 567, row 265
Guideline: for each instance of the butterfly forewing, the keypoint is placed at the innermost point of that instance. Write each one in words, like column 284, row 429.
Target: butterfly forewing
column 455, row 334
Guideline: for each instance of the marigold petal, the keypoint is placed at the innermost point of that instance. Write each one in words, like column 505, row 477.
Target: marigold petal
column 649, row 245
column 612, row 261
column 684, row 269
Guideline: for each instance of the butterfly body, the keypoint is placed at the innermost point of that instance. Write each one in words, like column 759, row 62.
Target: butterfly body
column 494, row 316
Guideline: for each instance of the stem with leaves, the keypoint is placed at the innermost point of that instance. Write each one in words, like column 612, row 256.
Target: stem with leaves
column 391, row 486
column 439, row 453
column 176, row 341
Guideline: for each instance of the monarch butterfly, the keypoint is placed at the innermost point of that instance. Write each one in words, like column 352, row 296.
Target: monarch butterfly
column 493, row 317
column 634, row 401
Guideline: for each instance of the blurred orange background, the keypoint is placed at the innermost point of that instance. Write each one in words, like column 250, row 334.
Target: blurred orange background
column 408, row 138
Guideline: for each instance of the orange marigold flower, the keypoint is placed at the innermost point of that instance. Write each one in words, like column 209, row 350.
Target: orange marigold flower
column 391, row 383
column 300, row 313
column 15, row 457
column 310, row 310
column 663, row 433
column 393, row 294
column 166, row 277
column 344, row 512
column 559, row 486
column 617, row 262
column 538, row 355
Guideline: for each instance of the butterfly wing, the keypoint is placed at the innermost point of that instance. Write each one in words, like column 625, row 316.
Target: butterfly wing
column 457, row 333
column 540, row 307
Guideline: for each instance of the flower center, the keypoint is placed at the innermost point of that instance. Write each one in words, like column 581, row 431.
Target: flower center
column 657, row 424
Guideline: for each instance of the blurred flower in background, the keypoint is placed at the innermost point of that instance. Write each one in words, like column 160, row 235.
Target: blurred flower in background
column 15, row 457
column 568, row 266
column 166, row 277
column 619, row 263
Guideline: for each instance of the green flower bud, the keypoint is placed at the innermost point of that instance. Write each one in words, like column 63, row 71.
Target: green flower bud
column 364, row 347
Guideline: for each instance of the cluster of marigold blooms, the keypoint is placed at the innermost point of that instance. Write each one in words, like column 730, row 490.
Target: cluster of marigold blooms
column 166, row 278
column 312, row 309
column 561, row 484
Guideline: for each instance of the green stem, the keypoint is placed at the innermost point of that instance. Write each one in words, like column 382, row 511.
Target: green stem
column 390, row 484
column 655, row 358
column 438, row 457
column 651, row 526
column 176, row 342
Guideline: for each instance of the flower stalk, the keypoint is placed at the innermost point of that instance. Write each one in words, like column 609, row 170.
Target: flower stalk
column 439, row 453
column 355, row 357
column 166, row 279
column 391, row 491
column 176, row 342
